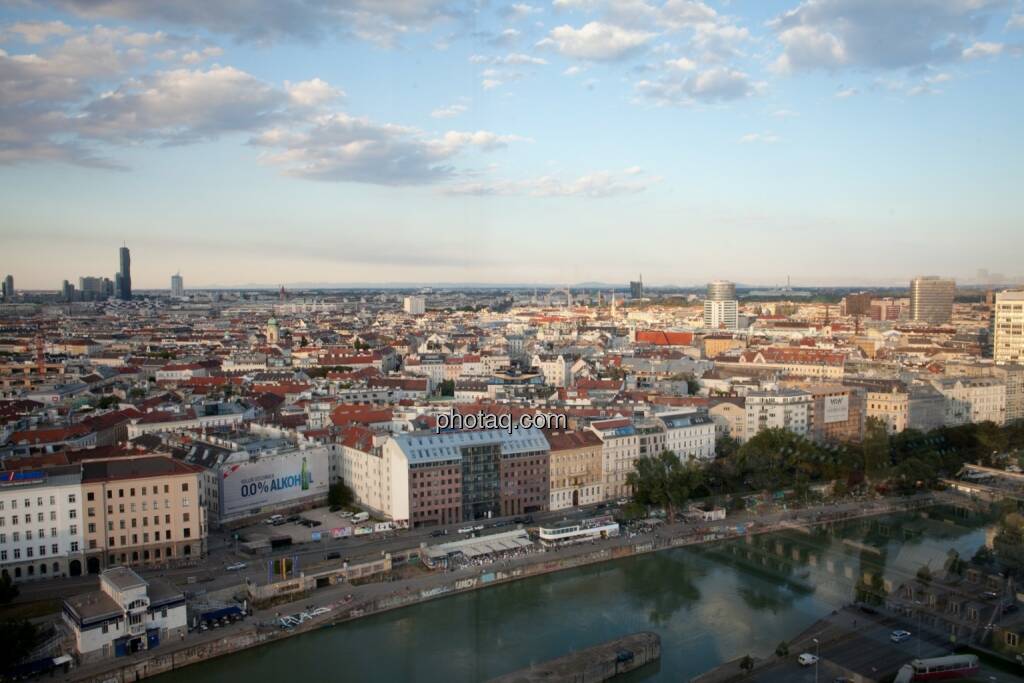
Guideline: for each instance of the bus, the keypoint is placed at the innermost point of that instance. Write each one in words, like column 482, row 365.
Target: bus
column 939, row 669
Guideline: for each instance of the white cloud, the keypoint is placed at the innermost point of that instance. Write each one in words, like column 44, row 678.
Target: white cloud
column 521, row 10
column 312, row 93
column 35, row 32
column 835, row 34
column 572, row 71
column 196, row 56
column 717, row 84
column 1015, row 22
column 379, row 21
column 682, row 64
column 981, row 50
column 594, row 185
column 847, row 92
column 519, row 58
column 451, row 111
column 596, row 41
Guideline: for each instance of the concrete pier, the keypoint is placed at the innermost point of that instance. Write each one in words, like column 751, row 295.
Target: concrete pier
column 598, row 663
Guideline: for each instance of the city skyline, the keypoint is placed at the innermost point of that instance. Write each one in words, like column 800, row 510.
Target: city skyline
column 531, row 142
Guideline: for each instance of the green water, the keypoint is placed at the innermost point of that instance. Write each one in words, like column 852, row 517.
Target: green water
column 709, row 605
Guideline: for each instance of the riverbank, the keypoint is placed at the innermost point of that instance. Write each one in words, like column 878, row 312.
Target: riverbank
column 381, row 597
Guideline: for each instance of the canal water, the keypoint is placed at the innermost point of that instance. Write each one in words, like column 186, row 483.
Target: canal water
column 709, row 605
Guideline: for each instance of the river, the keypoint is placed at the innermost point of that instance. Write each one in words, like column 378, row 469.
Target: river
column 709, row 605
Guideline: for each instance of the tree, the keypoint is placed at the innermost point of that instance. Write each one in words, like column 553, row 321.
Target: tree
column 924, row 574
column 747, row 663
column 340, row 495
column 782, row 649
column 8, row 589
column 664, row 480
column 726, row 446
column 446, row 388
column 19, row 639
column 876, row 449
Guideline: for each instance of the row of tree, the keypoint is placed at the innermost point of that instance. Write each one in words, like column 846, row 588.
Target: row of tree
column 776, row 459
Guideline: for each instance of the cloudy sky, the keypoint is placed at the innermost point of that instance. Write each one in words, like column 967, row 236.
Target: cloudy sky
column 270, row 141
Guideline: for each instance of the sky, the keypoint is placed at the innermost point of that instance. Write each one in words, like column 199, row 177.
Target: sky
column 342, row 141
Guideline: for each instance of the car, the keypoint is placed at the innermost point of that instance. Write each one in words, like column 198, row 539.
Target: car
column 465, row 530
column 899, row 636
column 438, row 532
column 345, row 513
column 478, row 527
column 807, row 659
column 294, row 518
column 335, row 508
column 501, row 523
column 333, row 556
column 278, row 522
column 989, row 595
column 236, row 566
column 601, row 506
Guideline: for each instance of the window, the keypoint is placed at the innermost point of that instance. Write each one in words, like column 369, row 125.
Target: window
column 54, row 549
column 72, row 514
column 73, row 529
column 1012, row 639
column 184, row 486
column 90, row 496
column 74, row 546
column 71, row 498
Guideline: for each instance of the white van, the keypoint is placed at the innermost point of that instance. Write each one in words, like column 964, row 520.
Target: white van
column 360, row 517
column 273, row 518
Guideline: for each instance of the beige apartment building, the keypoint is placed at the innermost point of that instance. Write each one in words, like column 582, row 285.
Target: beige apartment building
column 1008, row 327
column 141, row 511
column 575, row 469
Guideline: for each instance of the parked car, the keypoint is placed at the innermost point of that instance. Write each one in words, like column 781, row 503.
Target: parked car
column 236, row 566
column 807, row 659
column 438, row 532
column 333, row 556
column 899, row 636
column 466, row 530
column 294, row 518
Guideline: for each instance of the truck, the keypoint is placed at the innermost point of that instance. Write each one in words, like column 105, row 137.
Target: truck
column 360, row 517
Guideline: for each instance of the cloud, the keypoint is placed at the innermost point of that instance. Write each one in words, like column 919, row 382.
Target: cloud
column 981, row 50
column 521, row 10
column 1015, row 22
column 717, row 84
column 785, row 114
column 312, row 93
column 181, row 106
column 847, row 92
column 572, row 71
column 594, row 185
column 35, row 32
column 342, row 148
column 839, row 34
column 762, row 138
column 272, row 20
column 451, row 111
column 596, row 41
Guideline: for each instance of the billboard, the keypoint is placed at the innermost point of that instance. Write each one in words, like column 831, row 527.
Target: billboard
column 273, row 480
column 837, row 408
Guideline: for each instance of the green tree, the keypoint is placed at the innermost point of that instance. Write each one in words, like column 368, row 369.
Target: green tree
column 340, row 495
column 19, row 638
column 876, row 450
column 747, row 663
column 782, row 649
column 446, row 388
column 8, row 589
column 664, row 480
column 726, row 446
column 924, row 574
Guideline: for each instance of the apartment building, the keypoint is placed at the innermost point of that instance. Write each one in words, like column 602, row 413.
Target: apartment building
column 41, row 523
column 837, row 411
column 575, row 469
column 730, row 417
column 689, row 434
column 620, row 449
column 141, row 511
column 973, row 399
column 556, row 368
column 462, row 476
column 788, row 409
column 1008, row 327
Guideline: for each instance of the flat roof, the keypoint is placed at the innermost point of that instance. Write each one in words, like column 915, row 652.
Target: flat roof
column 483, row 545
column 123, row 578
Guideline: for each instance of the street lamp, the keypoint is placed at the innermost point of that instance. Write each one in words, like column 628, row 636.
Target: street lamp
column 817, row 658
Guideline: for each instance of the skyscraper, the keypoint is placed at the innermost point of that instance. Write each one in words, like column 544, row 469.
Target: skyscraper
column 636, row 288
column 8, row 288
column 931, row 299
column 1008, row 325
column 124, row 290
column 177, row 285
column 721, row 309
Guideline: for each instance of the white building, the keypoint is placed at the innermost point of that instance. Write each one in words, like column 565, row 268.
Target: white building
column 415, row 305
column 690, row 435
column 620, row 451
column 1008, row 324
column 359, row 462
column 973, row 399
column 41, row 523
column 781, row 409
column 721, row 314
column 557, row 369
column 177, row 285
column 126, row 615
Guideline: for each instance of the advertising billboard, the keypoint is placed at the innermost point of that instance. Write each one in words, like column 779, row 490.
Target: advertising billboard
column 837, row 409
column 273, row 480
